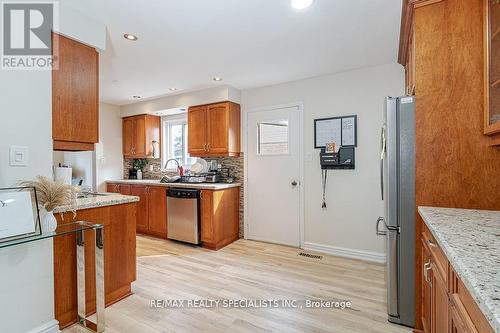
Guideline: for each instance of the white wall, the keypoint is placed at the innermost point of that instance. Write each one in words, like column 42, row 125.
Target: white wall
column 26, row 279
column 353, row 196
column 109, row 156
column 198, row 97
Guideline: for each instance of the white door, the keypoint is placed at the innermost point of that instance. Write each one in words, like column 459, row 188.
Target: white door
column 273, row 171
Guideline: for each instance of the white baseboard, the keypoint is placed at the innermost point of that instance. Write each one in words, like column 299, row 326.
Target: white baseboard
column 375, row 257
column 49, row 327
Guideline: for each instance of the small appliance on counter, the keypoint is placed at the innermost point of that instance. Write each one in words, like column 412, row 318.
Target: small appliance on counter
column 132, row 173
column 63, row 174
column 212, row 177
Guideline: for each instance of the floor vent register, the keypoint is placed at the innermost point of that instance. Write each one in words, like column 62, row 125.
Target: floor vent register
column 312, row 256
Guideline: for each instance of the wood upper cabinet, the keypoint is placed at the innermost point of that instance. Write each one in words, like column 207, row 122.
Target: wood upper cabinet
column 214, row 130
column 139, row 133
column 75, row 95
column 492, row 70
column 197, row 130
column 219, row 217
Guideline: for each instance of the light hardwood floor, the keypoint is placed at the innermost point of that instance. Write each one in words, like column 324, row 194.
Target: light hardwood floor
column 248, row 270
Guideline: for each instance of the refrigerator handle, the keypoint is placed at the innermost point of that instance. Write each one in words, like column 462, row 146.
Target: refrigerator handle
column 382, row 155
column 377, row 229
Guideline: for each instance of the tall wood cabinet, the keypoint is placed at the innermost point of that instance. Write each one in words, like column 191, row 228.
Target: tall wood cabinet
column 442, row 49
column 75, row 95
column 139, row 133
column 214, row 130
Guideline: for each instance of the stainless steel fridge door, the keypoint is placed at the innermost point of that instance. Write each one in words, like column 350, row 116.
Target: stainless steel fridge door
column 390, row 186
column 390, row 191
column 392, row 274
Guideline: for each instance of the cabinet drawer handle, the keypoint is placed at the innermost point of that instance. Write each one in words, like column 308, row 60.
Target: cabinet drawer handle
column 431, row 243
column 427, row 268
column 208, row 147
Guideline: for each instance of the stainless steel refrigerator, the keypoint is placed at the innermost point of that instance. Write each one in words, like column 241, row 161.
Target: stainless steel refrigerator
column 397, row 184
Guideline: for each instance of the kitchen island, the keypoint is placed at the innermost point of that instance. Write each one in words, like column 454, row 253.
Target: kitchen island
column 466, row 244
column 116, row 213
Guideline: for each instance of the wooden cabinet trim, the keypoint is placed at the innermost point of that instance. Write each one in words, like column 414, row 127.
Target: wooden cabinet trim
column 489, row 129
column 406, row 28
column 72, row 146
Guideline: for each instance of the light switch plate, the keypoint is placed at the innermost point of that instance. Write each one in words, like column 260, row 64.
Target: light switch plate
column 19, row 156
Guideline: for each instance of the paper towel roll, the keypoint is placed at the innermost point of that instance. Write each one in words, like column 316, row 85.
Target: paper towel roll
column 63, row 175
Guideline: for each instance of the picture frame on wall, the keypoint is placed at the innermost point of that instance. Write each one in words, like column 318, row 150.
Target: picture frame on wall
column 19, row 214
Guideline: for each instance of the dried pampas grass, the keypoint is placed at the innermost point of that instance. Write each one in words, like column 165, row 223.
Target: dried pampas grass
column 52, row 194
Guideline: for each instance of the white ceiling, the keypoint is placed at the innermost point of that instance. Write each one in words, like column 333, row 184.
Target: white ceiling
column 249, row 43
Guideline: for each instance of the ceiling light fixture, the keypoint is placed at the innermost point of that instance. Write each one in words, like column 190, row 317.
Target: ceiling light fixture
column 217, row 78
column 130, row 37
column 301, row 4
column 136, row 97
column 172, row 89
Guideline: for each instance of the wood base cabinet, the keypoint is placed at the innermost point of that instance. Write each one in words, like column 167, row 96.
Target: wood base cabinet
column 119, row 260
column 219, row 217
column 151, row 209
column 447, row 304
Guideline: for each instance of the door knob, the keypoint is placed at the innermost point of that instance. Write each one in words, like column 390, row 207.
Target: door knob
column 294, row 183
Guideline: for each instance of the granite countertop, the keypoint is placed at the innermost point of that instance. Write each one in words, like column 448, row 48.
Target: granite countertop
column 201, row 186
column 471, row 241
column 108, row 199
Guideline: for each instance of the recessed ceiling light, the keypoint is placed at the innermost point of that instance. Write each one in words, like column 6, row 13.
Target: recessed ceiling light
column 130, row 37
column 217, row 78
column 172, row 89
column 136, row 97
column 301, row 4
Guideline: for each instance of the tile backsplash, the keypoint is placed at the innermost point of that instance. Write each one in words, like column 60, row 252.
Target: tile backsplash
column 234, row 164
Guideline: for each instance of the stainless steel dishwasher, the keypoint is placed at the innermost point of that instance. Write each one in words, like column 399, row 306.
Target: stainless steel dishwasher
column 183, row 215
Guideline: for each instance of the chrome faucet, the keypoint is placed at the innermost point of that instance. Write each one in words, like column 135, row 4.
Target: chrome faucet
column 178, row 164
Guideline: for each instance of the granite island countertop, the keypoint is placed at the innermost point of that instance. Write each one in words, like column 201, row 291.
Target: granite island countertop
column 106, row 199
column 155, row 182
column 471, row 241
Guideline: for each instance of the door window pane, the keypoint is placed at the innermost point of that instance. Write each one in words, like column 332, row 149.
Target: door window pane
column 273, row 137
